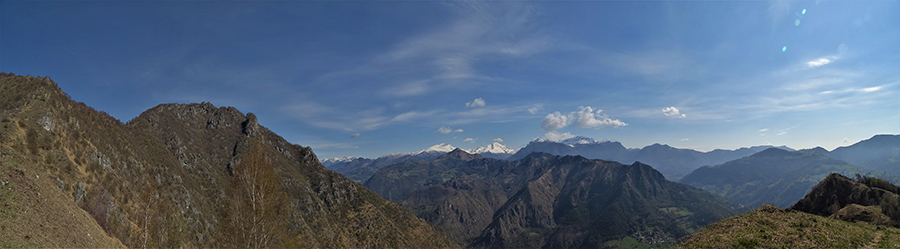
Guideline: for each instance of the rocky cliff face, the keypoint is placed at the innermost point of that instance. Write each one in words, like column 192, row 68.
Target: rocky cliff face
column 161, row 178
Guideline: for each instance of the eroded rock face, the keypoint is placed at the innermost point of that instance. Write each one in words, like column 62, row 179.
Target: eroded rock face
column 79, row 192
column 251, row 126
column 102, row 160
column 46, row 122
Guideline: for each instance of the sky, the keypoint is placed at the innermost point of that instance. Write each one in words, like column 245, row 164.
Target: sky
column 369, row 78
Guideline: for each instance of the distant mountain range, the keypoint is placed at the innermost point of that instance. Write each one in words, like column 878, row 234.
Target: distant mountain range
column 881, row 152
column 672, row 162
column 549, row 201
column 773, row 176
column 360, row 169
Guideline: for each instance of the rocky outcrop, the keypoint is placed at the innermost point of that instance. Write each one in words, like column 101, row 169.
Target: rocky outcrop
column 836, row 192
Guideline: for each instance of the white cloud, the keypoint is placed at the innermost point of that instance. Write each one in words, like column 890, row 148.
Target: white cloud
column 819, row 62
column 781, row 133
column 685, row 140
column 535, row 108
column 354, row 135
column 479, row 102
column 411, row 115
column 469, row 139
column 672, row 111
column 553, row 136
column 584, row 117
column 447, row 129
column 871, row 89
column 764, row 130
column 499, row 140
column 554, row 121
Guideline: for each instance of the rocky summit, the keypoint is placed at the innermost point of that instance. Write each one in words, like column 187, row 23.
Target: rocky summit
column 178, row 175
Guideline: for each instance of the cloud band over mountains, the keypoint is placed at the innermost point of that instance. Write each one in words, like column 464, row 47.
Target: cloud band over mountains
column 584, row 117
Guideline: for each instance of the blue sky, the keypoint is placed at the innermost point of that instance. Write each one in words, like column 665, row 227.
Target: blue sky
column 405, row 75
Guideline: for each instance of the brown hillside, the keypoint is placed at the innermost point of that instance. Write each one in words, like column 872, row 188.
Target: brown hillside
column 162, row 178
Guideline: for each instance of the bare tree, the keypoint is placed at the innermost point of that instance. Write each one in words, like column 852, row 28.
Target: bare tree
column 256, row 213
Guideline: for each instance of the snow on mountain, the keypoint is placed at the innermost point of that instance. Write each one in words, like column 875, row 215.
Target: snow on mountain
column 580, row 140
column 338, row 159
column 569, row 141
column 442, row 147
column 496, row 148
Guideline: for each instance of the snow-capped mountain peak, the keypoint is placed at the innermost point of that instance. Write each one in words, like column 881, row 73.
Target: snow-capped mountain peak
column 442, row 147
column 496, row 148
column 338, row 159
column 579, row 140
column 568, row 141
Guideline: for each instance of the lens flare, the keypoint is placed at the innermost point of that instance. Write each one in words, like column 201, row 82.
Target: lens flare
column 784, row 49
column 797, row 22
column 804, row 12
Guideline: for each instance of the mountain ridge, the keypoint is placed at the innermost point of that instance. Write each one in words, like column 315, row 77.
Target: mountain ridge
column 673, row 162
column 544, row 200
column 163, row 179
column 772, row 176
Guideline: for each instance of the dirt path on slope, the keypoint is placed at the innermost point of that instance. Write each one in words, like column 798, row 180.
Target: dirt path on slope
column 875, row 241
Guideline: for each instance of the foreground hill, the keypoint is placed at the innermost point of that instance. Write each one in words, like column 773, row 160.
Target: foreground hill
column 674, row 163
column 773, row 176
column 551, row 201
column 177, row 176
column 839, row 212
column 771, row 227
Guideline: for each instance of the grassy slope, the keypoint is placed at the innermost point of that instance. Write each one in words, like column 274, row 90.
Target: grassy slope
column 770, row 227
column 35, row 213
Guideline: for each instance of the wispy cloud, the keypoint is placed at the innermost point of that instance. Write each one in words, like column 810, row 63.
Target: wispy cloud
column 818, row 63
column 339, row 119
column 764, row 130
column 499, row 140
column 444, row 56
column 354, row 135
column 447, row 130
column 534, row 109
column 469, row 139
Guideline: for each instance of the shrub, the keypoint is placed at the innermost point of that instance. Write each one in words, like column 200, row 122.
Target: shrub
column 874, row 182
column 98, row 207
